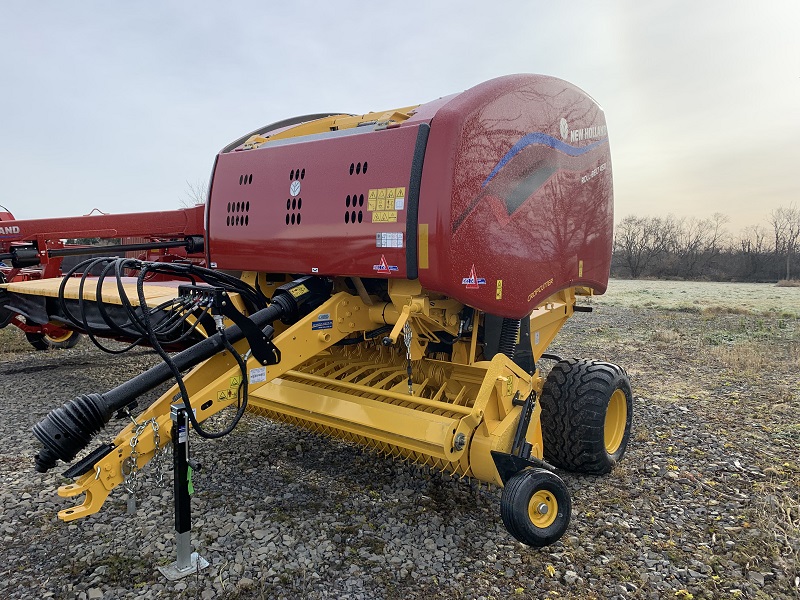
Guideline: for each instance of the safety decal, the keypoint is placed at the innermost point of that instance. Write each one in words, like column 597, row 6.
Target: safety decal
column 298, row 290
column 499, row 294
column 389, row 240
column 232, row 391
column 384, row 216
column 473, row 281
column 384, row 267
column 316, row 325
column 386, row 199
column 258, row 375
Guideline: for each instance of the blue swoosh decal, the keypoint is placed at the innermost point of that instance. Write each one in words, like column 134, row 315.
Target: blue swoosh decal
column 544, row 140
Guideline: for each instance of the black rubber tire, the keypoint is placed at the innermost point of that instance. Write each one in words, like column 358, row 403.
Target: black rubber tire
column 517, row 495
column 42, row 341
column 574, row 403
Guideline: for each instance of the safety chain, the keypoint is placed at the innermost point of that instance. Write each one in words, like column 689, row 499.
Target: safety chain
column 407, row 335
column 131, row 467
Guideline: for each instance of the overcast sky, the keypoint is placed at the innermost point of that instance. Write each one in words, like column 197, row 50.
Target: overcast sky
column 117, row 106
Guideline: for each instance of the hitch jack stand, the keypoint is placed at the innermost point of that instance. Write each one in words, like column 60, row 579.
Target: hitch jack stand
column 188, row 562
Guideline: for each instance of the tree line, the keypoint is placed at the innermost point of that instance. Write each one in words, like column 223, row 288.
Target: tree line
column 695, row 248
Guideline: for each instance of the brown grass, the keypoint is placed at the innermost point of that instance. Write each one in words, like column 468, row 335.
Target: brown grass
column 788, row 283
column 747, row 356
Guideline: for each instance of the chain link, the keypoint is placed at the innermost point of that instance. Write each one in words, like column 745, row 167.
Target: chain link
column 130, row 467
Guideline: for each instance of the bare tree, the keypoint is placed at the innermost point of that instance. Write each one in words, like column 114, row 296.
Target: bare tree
column 785, row 221
column 196, row 193
column 698, row 242
column 752, row 244
column 641, row 240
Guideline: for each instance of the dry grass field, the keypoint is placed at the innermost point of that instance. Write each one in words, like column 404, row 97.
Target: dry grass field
column 704, row 505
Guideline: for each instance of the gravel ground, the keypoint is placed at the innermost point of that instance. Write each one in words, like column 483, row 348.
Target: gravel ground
column 704, row 504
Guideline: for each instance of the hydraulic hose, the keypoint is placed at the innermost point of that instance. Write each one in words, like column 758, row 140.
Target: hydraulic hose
column 65, row 431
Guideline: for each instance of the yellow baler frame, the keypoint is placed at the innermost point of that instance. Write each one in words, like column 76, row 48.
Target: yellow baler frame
column 458, row 414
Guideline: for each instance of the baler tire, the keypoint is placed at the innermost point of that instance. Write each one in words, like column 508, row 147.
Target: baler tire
column 587, row 409
column 42, row 341
column 522, row 496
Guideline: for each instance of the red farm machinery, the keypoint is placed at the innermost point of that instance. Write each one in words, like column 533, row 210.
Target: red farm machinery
column 393, row 279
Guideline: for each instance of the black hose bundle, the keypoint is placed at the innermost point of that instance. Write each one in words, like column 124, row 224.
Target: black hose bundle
column 65, row 431
column 166, row 322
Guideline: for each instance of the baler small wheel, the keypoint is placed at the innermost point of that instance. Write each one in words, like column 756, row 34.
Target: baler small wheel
column 535, row 507
column 42, row 341
column 587, row 409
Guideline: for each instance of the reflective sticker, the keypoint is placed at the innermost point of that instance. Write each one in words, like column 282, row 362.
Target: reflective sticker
column 580, row 268
column 536, row 338
column 258, row 375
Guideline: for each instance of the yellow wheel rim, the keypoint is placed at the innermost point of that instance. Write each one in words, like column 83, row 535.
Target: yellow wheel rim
column 616, row 417
column 55, row 339
column 543, row 509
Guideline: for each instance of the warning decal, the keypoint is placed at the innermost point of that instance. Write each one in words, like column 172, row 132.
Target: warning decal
column 473, row 281
column 386, row 199
column 384, row 267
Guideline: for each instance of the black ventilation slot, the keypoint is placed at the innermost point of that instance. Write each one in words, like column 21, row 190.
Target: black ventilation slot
column 351, row 202
column 246, row 179
column 238, row 214
column 358, row 168
column 293, row 208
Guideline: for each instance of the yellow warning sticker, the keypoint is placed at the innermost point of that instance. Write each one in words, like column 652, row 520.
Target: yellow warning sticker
column 236, row 381
column 297, row 291
column 222, row 395
column 384, row 216
column 386, row 199
column 499, row 293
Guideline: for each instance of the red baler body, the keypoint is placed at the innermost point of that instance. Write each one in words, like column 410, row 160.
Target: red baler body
column 507, row 198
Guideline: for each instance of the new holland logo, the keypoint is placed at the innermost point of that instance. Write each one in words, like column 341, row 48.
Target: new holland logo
column 473, row 281
column 384, row 267
column 11, row 229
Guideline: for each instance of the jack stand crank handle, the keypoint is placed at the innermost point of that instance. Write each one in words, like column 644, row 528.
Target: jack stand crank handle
column 187, row 562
